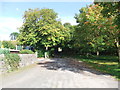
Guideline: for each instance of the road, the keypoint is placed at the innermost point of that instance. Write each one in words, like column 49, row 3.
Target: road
column 57, row 73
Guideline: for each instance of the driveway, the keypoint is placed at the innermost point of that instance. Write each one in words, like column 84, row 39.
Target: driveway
column 58, row 73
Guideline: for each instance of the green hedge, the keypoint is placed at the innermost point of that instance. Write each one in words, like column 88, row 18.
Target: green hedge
column 26, row 52
column 4, row 51
column 12, row 61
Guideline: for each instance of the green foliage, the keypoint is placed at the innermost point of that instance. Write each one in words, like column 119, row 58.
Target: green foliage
column 4, row 51
column 0, row 44
column 41, row 28
column 95, row 33
column 108, row 11
column 12, row 61
column 41, row 53
column 105, row 64
column 26, row 52
column 71, row 38
column 8, row 44
column 97, row 30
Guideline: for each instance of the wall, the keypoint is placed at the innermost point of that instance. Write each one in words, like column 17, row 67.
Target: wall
column 26, row 59
column 2, row 64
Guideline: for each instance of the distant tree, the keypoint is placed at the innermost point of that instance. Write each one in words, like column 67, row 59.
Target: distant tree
column 71, row 28
column 14, row 35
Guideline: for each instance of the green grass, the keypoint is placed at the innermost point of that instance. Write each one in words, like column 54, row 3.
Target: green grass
column 105, row 64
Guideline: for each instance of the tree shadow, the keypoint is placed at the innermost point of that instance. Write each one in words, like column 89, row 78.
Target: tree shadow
column 69, row 65
column 100, row 58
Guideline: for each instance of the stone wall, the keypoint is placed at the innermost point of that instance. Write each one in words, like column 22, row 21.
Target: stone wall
column 26, row 59
column 2, row 64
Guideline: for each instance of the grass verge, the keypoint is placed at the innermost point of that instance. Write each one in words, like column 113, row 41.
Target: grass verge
column 104, row 64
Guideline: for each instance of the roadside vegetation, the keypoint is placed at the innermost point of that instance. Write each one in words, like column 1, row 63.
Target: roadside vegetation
column 105, row 64
column 26, row 52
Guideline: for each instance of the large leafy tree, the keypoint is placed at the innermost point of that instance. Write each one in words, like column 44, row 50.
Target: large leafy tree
column 41, row 28
column 111, row 10
column 95, row 30
column 81, row 33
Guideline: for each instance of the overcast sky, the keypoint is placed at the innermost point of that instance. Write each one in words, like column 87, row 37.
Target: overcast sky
column 11, row 13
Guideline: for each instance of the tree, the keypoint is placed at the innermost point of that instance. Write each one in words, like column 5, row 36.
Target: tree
column 42, row 29
column 14, row 35
column 83, row 31
column 95, row 29
column 114, row 16
column 71, row 29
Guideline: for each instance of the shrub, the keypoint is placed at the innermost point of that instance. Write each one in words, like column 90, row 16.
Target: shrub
column 26, row 52
column 41, row 53
column 12, row 61
column 8, row 44
column 4, row 51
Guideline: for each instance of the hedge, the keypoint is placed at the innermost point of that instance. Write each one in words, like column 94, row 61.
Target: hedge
column 26, row 52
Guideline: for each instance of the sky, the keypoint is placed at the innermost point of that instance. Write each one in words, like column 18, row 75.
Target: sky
column 11, row 13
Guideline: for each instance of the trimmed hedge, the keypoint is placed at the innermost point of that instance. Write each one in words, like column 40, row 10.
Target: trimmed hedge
column 26, row 52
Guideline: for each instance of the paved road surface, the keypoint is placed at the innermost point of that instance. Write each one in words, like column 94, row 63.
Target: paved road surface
column 57, row 73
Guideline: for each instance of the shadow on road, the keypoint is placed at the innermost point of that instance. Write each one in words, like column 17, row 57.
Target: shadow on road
column 68, row 64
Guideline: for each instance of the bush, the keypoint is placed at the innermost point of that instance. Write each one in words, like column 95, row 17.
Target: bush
column 26, row 52
column 12, row 61
column 41, row 53
column 8, row 44
column 4, row 51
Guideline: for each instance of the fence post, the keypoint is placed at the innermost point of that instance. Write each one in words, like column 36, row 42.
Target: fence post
column 16, row 47
column 36, row 53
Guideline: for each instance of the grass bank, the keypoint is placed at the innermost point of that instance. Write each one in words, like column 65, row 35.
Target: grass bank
column 104, row 64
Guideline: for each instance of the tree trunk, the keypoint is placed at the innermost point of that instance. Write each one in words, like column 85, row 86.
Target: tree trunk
column 117, row 44
column 98, row 53
column 119, row 53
